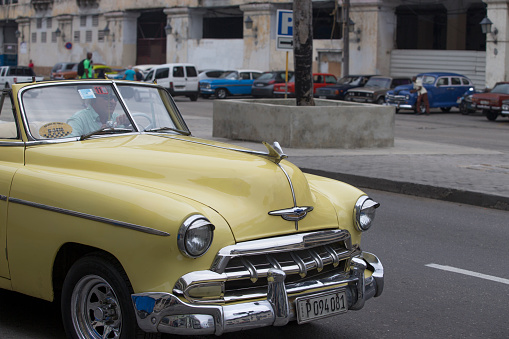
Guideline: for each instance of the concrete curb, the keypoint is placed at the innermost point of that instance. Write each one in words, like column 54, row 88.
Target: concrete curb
column 420, row 190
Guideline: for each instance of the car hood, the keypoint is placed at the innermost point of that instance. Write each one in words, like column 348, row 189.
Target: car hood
column 242, row 187
column 369, row 89
column 402, row 89
column 494, row 97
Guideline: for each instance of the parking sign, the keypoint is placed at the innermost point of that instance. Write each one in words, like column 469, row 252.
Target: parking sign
column 284, row 29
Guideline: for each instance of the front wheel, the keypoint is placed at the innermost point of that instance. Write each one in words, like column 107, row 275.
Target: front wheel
column 96, row 301
column 491, row 115
column 221, row 93
column 380, row 101
column 193, row 97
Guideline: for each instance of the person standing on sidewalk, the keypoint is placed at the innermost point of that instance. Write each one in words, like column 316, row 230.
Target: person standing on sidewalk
column 422, row 95
column 87, row 65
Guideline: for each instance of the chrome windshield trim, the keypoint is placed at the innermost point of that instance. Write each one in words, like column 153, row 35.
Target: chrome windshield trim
column 90, row 217
column 13, row 143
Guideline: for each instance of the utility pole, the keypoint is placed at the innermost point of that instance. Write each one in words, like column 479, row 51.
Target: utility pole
column 303, row 51
column 346, row 37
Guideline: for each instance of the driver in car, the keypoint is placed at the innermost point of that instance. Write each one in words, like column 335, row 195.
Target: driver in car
column 98, row 114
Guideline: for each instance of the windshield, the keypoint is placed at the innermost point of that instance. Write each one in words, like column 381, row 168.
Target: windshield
column 82, row 109
column 379, row 82
column 351, row 80
column 501, row 89
column 234, row 75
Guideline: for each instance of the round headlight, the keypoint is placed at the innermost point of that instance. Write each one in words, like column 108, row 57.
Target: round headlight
column 195, row 236
column 364, row 213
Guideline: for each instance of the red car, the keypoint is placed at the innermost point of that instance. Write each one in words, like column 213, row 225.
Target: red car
column 319, row 80
column 491, row 102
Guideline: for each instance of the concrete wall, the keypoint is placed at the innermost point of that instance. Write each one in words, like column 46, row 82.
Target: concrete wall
column 329, row 124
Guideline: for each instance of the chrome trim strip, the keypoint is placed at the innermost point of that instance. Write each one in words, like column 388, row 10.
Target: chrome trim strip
column 90, row 217
column 13, row 143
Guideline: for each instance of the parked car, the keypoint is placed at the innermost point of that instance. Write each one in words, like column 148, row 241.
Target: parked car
column 375, row 90
column 139, row 226
column 181, row 79
column 10, row 75
column 264, row 85
column 491, row 102
column 338, row 90
column 235, row 82
column 319, row 80
column 444, row 90
column 465, row 104
column 61, row 67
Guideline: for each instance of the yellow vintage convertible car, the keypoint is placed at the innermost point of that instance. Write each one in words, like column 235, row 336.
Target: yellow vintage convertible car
column 109, row 205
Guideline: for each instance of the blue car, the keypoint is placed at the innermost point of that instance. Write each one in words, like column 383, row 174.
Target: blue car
column 444, row 91
column 238, row 82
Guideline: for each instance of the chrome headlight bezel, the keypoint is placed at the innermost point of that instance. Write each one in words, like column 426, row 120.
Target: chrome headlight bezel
column 190, row 231
column 364, row 213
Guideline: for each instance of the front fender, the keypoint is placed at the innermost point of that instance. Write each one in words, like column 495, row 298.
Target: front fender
column 39, row 225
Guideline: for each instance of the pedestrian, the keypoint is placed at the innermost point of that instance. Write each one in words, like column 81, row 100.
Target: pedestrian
column 88, row 67
column 129, row 73
column 139, row 75
column 422, row 95
column 31, row 64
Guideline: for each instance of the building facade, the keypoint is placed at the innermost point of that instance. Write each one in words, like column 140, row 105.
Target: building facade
column 388, row 37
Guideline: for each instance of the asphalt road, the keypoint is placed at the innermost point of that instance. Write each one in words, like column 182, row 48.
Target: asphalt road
column 418, row 301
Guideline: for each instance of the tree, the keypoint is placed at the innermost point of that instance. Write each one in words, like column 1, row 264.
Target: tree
column 303, row 51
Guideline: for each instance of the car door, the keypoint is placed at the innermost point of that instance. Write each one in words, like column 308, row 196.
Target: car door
column 244, row 84
column 458, row 89
column 11, row 159
column 191, row 79
column 178, row 75
column 161, row 76
column 440, row 93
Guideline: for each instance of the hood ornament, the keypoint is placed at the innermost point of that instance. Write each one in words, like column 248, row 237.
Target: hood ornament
column 293, row 214
column 275, row 152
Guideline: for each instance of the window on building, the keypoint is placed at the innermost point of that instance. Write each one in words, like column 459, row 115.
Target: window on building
column 83, row 21
column 34, row 36
column 53, row 37
column 88, row 36
column 76, row 36
column 100, row 35
column 223, row 27
column 325, row 25
column 43, row 37
column 48, row 23
column 95, row 20
column 38, row 23
column 421, row 27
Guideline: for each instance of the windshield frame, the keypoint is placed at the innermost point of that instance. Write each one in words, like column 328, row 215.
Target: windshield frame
column 167, row 100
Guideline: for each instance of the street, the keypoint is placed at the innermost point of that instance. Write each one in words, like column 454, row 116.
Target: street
column 446, row 267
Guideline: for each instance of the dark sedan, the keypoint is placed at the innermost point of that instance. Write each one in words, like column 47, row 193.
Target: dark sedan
column 264, row 85
column 338, row 90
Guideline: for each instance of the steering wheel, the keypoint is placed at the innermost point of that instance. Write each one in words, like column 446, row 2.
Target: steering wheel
column 145, row 116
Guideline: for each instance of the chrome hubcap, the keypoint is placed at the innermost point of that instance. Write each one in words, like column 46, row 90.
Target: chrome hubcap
column 95, row 309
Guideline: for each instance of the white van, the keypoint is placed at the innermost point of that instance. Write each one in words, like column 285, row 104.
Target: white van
column 181, row 79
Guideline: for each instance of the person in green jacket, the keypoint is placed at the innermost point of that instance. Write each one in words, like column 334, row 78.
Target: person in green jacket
column 87, row 64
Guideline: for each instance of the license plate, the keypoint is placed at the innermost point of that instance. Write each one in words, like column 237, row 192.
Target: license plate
column 484, row 102
column 320, row 306
column 322, row 97
column 259, row 85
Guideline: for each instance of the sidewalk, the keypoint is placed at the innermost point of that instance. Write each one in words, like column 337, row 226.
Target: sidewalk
column 439, row 171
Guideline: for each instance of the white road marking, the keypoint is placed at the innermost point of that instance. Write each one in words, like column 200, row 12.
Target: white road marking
column 470, row 273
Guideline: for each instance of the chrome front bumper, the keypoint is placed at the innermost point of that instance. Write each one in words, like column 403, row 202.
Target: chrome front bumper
column 166, row 313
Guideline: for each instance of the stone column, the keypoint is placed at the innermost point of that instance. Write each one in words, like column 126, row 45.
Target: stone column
column 120, row 43
column 497, row 56
column 177, row 41
column 373, row 37
column 257, row 39
column 24, row 41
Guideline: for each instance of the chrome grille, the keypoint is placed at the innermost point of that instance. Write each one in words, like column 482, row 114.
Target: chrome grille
column 248, row 272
